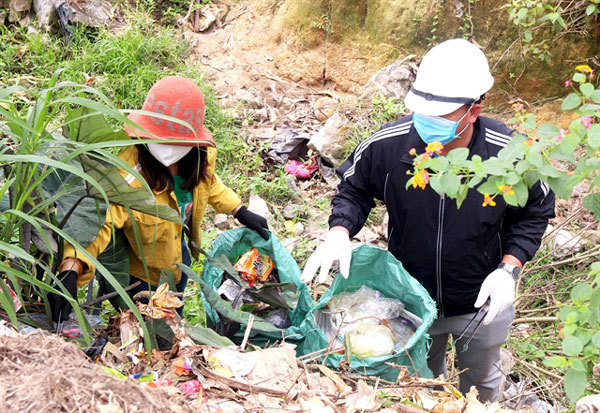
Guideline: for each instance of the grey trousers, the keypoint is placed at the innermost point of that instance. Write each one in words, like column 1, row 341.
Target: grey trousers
column 482, row 359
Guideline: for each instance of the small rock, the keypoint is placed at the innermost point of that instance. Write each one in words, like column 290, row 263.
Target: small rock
column 393, row 80
column 564, row 243
column 588, row 404
column 291, row 211
column 385, row 222
column 366, row 235
column 45, row 13
column 249, row 97
column 298, row 228
column 222, row 222
column 324, row 108
column 329, row 140
column 290, row 244
column 257, row 205
column 596, row 371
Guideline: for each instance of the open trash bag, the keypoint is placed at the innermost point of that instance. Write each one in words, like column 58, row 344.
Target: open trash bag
column 378, row 270
column 233, row 244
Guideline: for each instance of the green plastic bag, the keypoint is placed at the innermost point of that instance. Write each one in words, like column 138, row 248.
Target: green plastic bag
column 380, row 270
column 234, row 243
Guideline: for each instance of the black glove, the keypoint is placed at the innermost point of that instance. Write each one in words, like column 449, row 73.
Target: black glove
column 253, row 221
column 59, row 304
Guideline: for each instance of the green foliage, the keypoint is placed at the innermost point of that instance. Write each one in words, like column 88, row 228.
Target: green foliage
column 536, row 17
column 54, row 146
column 580, row 326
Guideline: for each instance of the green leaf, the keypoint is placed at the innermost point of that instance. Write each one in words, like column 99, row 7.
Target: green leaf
column 547, row 130
column 120, row 192
column 521, row 193
column 207, row 336
column 439, row 164
column 571, row 102
column 493, row 166
column 512, row 178
column 592, row 202
column 578, row 77
column 535, row 158
column 89, row 126
column 572, row 346
column 582, row 291
column 596, row 96
column 563, row 186
column 463, row 191
column 596, row 339
column 549, row 170
column 436, row 184
column 529, row 123
column 575, row 382
column 555, row 361
column 590, row 9
column 458, row 155
column 450, row 184
column 569, row 143
column 593, row 136
column 587, row 89
column 578, row 365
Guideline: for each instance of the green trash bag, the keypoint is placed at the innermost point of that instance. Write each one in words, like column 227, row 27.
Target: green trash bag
column 379, row 270
column 232, row 244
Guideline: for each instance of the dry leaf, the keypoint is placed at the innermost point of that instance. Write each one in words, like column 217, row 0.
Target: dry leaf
column 339, row 383
column 315, row 405
column 362, row 399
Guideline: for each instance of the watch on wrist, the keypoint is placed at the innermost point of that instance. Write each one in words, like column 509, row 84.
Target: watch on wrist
column 513, row 270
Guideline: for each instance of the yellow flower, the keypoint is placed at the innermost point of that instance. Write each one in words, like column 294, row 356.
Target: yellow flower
column 488, row 200
column 421, row 179
column 507, row 189
column 583, row 68
column 434, row 147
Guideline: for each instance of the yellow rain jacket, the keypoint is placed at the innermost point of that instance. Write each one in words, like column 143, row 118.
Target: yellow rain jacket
column 161, row 239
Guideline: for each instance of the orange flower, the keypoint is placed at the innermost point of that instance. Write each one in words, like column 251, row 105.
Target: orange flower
column 528, row 142
column 412, row 152
column 507, row 189
column 425, row 157
column 488, row 200
column 434, row 147
column 421, row 179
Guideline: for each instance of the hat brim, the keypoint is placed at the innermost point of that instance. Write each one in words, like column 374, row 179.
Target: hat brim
column 429, row 107
column 202, row 138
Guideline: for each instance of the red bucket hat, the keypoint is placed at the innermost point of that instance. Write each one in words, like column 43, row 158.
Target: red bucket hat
column 179, row 98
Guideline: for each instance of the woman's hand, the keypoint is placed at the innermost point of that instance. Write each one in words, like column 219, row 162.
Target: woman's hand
column 252, row 221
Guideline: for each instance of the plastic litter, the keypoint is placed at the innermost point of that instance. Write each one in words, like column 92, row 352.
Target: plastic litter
column 254, row 266
column 376, row 325
column 370, row 340
column 301, row 169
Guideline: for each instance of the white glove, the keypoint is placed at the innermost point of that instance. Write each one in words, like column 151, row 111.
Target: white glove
column 335, row 247
column 499, row 286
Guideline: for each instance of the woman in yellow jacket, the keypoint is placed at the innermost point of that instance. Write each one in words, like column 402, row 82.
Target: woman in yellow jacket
column 181, row 175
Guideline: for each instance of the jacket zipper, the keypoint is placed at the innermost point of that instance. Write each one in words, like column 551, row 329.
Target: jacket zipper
column 438, row 252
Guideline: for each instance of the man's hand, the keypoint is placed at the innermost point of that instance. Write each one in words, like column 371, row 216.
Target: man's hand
column 59, row 305
column 335, row 247
column 499, row 286
column 253, row 221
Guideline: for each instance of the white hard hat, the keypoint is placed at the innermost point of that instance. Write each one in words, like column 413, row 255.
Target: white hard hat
column 452, row 74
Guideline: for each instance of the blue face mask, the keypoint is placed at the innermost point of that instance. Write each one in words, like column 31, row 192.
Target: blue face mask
column 436, row 128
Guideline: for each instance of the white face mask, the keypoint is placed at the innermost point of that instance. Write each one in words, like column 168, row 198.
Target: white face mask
column 168, row 154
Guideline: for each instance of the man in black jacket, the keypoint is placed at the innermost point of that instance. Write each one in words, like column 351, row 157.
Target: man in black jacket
column 463, row 257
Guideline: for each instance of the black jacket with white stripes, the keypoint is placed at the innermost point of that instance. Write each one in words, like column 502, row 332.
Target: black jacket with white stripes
column 449, row 250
